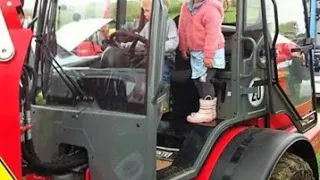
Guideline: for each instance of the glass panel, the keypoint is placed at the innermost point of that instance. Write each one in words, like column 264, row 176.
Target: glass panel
column 133, row 14
column 308, row 2
column 229, row 6
column 28, row 10
column 253, row 15
column 293, row 67
column 26, row 20
column 291, row 25
column 174, row 8
column 99, row 62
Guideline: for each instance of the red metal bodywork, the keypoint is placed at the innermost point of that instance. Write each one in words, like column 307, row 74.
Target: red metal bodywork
column 87, row 175
column 10, row 148
column 217, row 151
column 36, row 177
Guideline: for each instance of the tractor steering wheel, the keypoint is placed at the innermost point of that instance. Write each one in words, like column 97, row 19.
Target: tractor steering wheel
column 129, row 58
column 136, row 38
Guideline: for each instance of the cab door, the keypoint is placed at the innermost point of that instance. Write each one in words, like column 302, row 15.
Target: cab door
column 291, row 61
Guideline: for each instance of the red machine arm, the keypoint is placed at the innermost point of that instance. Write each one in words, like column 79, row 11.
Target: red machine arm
column 13, row 49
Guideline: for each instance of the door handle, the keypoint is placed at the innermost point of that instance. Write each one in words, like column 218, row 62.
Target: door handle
column 253, row 56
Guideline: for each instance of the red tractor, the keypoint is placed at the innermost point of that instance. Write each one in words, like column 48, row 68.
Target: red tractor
column 102, row 119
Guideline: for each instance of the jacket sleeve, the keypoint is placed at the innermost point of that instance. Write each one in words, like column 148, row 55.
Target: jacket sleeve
column 181, row 30
column 144, row 33
column 172, row 37
column 212, row 23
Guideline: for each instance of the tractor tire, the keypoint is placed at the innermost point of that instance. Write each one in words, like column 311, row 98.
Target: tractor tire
column 292, row 167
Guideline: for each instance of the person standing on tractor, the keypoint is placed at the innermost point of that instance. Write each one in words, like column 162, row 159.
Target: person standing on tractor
column 171, row 44
column 202, row 41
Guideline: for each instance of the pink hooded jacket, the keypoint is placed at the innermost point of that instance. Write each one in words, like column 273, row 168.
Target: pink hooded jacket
column 201, row 31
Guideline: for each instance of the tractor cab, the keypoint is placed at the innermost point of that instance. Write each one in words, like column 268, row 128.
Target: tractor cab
column 107, row 100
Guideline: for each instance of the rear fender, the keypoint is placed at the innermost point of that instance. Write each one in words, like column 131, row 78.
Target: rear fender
column 253, row 153
column 217, row 150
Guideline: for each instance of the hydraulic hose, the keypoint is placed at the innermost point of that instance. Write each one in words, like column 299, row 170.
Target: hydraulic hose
column 33, row 73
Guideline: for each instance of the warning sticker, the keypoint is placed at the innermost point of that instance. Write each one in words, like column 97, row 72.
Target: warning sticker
column 5, row 173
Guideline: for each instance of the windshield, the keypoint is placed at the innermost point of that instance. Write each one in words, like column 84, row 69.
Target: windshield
column 95, row 68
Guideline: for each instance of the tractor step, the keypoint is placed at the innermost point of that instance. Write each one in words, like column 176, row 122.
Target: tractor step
column 179, row 145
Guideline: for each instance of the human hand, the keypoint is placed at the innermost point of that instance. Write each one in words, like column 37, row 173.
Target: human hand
column 208, row 62
column 302, row 58
column 185, row 55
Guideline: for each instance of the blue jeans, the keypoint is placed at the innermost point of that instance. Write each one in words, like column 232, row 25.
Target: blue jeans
column 168, row 67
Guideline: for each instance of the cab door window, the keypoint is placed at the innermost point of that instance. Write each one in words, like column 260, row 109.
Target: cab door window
column 293, row 54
